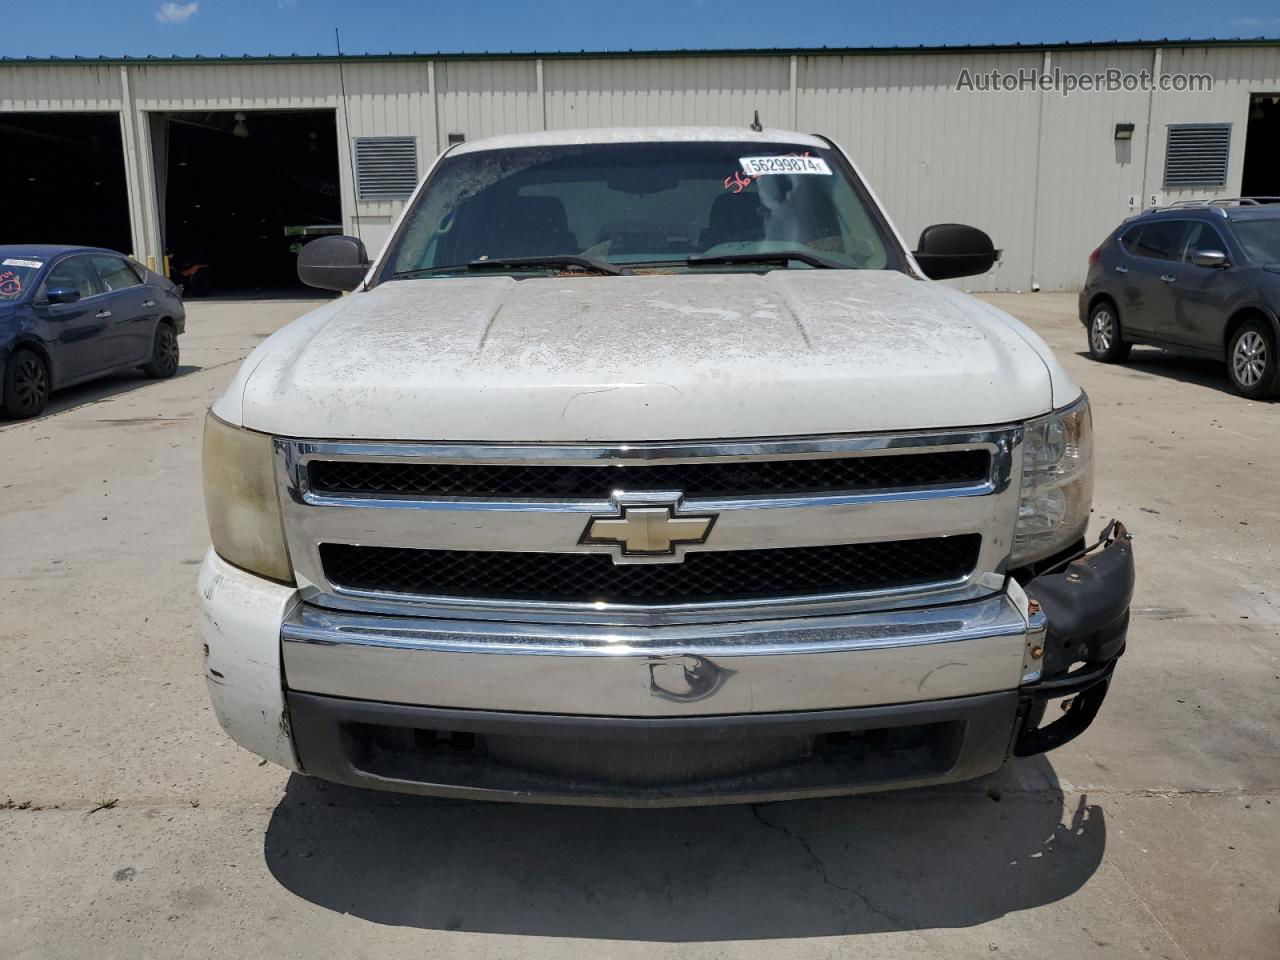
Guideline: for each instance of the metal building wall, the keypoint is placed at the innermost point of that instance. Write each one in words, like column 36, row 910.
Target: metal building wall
column 1040, row 172
column 40, row 88
column 393, row 97
column 482, row 98
column 1085, row 177
column 668, row 91
column 1237, row 72
column 934, row 155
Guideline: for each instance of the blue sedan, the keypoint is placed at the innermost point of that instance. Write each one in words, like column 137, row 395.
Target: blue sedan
column 70, row 314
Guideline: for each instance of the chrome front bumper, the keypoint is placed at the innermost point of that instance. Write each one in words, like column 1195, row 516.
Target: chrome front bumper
column 659, row 716
column 816, row 663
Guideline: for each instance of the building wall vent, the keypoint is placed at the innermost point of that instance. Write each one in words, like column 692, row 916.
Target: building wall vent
column 386, row 167
column 1197, row 154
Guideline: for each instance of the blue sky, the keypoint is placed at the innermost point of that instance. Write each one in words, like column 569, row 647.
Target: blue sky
column 211, row 27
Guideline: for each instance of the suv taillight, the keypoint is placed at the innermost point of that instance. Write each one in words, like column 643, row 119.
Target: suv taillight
column 1093, row 257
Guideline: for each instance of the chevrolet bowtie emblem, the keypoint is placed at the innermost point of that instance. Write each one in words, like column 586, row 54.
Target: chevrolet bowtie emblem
column 648, row 529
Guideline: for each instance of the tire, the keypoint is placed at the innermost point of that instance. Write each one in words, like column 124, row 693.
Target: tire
column 1253, row 364
column 27, row 384
column 164, row 354
column 1105, row 343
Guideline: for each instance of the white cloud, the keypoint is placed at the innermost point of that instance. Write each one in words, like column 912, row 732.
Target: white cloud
column 1256, row 21
column 176, row 12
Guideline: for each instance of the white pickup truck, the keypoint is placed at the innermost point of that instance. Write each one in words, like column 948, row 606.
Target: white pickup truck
column 647, row 466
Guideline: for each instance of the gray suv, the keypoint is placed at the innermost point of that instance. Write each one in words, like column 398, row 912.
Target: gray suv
column 1202, row 279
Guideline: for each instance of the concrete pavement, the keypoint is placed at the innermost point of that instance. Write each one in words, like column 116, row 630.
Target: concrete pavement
column 1157, row 834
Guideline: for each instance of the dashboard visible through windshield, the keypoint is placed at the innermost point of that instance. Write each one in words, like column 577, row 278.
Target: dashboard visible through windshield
column 731, row 205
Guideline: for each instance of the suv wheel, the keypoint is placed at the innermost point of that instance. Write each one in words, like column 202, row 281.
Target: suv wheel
column 1105, row 343
column 26, row 385
column 1252, row 362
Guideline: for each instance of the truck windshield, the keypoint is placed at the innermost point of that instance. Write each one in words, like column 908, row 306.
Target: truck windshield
column 657, row 204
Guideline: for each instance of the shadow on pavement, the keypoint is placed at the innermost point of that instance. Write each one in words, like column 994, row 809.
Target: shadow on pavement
column 946, row 857
column 1185, row 369
column 94, row 391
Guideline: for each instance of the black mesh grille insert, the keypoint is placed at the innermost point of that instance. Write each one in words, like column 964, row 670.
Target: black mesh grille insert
column 705, row 478
column 702, row 577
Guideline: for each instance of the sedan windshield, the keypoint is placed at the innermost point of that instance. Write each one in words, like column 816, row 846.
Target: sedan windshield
column 1260, row 239
column 685, row 205
column 16, row 276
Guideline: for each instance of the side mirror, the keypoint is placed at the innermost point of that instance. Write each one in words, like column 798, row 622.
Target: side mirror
column 333, row 263
column 954, row 250
column 1214, row 259
column 63, row 295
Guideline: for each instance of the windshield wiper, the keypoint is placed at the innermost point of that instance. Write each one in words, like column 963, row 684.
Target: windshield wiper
column 555, row 260
column 516, row 263
column 781, row 256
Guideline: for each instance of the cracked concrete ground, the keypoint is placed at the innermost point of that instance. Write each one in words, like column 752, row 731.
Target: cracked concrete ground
column 1157, row 834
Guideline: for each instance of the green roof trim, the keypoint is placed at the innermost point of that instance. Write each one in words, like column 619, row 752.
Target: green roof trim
column 619, row 54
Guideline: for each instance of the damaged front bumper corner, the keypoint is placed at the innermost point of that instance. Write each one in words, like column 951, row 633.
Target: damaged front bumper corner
column 1084, row 612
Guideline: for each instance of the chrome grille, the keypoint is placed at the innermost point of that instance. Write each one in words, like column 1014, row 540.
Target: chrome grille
column 732, row 478
column 801, row 527
column 594, row 578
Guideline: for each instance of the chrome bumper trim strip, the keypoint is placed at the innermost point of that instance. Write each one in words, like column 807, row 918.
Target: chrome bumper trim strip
column 761, row 667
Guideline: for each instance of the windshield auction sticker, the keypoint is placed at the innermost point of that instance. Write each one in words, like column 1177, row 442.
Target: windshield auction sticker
column 15, row 262
column 763, row 166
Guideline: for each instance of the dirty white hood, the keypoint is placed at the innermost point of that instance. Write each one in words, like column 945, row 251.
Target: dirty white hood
column 645, row 358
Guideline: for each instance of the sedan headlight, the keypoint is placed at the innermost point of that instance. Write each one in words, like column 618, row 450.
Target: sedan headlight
column 241, row 501
column 1057, row 483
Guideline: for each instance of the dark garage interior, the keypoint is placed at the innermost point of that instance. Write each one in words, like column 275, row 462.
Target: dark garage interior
column 241, row 191
column 65, row 180
column 1262, row 147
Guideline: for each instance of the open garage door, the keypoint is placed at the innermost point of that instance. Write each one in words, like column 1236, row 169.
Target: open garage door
column 64, row 180
column 1262, row 147
column 242, row 190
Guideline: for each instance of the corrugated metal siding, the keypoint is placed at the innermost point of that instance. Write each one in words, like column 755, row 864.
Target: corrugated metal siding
column 389, row 99
column 674, row 91
column 234, row 86
column 1236, row 73
column 915, row 138
column 1086, row 177
column 483, row 98
column 59, row 88
column 1040, row 172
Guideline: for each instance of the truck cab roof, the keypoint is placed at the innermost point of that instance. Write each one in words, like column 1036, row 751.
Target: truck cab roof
column 685, row 134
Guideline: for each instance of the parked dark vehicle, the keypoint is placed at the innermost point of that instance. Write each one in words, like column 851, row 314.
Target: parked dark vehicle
column 1200, row 278
column 70, row 314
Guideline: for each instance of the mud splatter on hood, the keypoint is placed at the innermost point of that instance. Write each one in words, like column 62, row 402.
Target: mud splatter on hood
column 646, row 357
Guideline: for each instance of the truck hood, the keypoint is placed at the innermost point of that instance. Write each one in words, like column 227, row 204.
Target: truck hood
column 651, row 357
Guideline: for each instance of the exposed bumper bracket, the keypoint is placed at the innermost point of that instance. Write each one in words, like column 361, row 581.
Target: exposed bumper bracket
column 1087, row 606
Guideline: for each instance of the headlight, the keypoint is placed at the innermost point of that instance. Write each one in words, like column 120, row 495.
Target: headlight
column 241, row 501
column 1057, row 483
